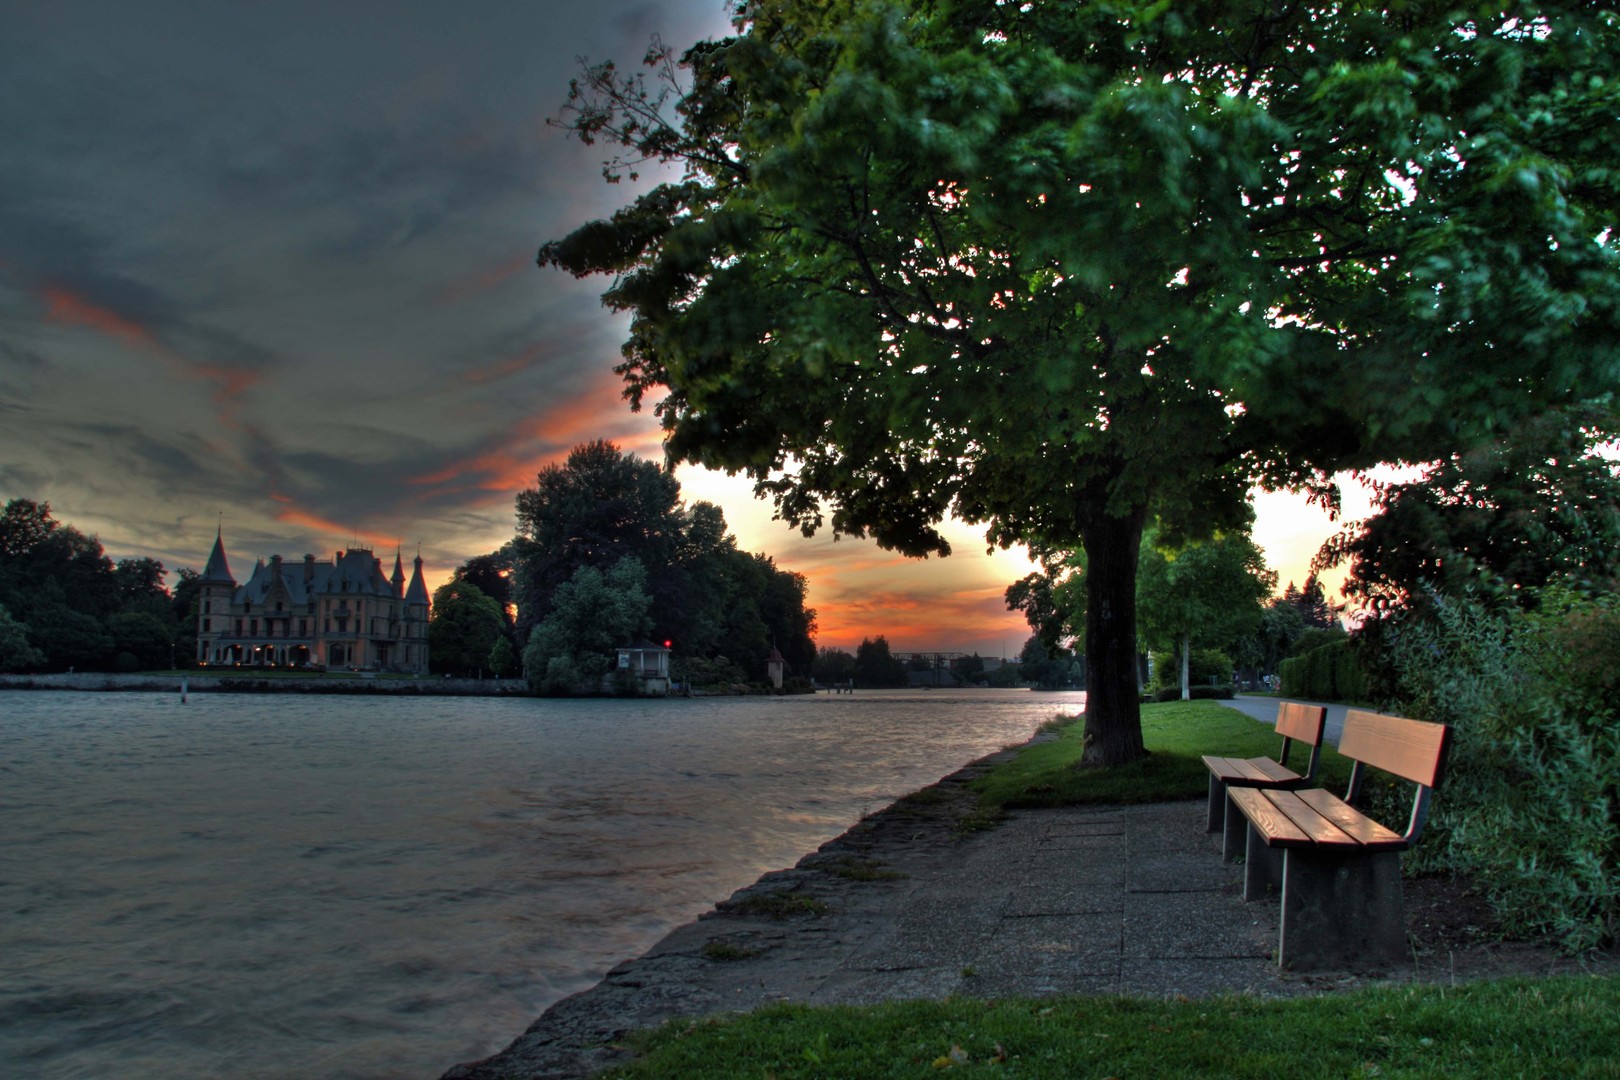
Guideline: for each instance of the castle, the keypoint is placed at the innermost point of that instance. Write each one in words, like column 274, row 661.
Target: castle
column 337, row 614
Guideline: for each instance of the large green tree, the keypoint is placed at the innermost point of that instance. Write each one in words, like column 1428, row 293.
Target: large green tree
column 1209, row 594
column 464, row 628
column 1060, row 268
column 599, row 506
column 594, row 613
column 707, row 597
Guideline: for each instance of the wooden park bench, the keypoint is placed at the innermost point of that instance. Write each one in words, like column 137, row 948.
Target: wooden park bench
column 1296, row 722
column 1340, row 870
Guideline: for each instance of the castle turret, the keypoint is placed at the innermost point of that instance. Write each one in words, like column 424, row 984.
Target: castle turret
column 214, row 602
column 416, row 621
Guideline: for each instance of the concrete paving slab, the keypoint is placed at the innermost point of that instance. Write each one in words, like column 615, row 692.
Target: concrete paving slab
column 1173, row 872
column 1201, row 925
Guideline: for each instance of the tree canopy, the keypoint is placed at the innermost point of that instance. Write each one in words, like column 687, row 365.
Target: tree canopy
column 1060, row 268
column 1498, row 519
column 1208, row 594
column 76, row 607
column 572, row 648
column 721, row 608
column 465, row 626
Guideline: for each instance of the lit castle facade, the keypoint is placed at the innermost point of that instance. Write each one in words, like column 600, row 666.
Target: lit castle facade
column 337, row 614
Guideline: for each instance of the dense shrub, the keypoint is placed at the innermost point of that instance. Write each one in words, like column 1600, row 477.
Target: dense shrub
column 1529, row 807
column 1329, row 672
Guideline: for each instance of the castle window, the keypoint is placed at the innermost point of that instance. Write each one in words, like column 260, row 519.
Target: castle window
column 206, row 621
column 278, row 605
column 253, row 628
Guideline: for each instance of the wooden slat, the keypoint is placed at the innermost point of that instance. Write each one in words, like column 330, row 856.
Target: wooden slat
column 1250, row 772
column 1412, row 749
column 1322, row 832
column 1273, row 772
column 1225, row 768
column 1296, row 720
column 1275, row 828
column 1358, row 826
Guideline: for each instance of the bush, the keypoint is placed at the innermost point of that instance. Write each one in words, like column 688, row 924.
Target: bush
column 1329, row 672
column 126, row 662
column 1529, row 806
column 1207, row 666
column 561, row 677
column 700, row 672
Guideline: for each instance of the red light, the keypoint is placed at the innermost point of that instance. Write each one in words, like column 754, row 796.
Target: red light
column 666, row 643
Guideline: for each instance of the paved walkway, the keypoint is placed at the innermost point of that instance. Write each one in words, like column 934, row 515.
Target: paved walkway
column 1264, row 709
column 1123, row 899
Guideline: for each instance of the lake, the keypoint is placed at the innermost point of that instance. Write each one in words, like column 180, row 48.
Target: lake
column 294, row 885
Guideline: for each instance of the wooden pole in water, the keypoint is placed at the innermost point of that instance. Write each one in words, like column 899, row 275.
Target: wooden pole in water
column 182, row 689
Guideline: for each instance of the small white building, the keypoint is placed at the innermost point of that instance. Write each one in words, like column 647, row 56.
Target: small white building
column 648, row 662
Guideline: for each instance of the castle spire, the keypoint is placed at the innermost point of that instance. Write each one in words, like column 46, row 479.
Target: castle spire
column 417, row 594
column 218, row 570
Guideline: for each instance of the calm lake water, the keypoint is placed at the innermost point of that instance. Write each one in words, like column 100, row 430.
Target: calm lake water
column 289, row 886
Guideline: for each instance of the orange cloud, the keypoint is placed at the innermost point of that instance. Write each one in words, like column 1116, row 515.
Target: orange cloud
column 491, row 373
column 67, row 308
column 484, row 280
column 543, row 440
column 321, row 525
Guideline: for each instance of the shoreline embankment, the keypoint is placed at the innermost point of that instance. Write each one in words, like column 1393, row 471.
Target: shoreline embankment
column 197, row 683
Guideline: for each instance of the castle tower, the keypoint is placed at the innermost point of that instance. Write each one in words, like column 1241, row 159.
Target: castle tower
column 214, row 603
column 416, row 622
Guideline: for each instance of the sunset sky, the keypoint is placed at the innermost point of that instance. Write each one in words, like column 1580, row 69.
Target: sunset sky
column 273, row 266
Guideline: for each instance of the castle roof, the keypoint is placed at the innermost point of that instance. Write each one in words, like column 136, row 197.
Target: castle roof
column 356, row 572
column 417, row 593
column 218, row 570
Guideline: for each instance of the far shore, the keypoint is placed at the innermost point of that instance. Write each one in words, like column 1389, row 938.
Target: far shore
column 174, row 682
column 170, row 682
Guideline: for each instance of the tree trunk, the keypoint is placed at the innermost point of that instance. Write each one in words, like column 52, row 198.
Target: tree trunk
column 1113, row 709
column 1186, row 666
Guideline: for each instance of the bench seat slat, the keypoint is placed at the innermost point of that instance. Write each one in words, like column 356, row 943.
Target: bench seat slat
column 1250, row 771
column 1358, row 826
column 1322, row 831
column 1277, row 774
column 1274, row 827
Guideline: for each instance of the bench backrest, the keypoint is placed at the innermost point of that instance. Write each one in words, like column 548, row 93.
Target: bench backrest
column 1305, row 723
column 1414, row 750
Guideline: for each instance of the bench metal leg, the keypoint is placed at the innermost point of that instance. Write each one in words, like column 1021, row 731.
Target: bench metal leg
column 1262, row 865
column 1217, row 804
column 1341, row 909
column 1235, row 834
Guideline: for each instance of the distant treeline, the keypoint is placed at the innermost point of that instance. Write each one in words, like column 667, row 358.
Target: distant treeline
column 64, row 604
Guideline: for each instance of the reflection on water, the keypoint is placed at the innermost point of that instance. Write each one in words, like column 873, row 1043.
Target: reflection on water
column 282, row 886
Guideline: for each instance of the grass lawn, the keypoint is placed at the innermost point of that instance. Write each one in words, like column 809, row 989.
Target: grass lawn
column 1177, row 734
column 1567, row 1027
